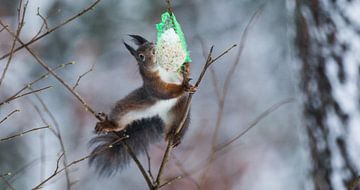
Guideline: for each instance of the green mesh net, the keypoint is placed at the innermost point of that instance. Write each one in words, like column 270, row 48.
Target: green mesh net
column 169, row 21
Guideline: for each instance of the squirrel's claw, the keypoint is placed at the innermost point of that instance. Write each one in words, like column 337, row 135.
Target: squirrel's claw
column 189, row 87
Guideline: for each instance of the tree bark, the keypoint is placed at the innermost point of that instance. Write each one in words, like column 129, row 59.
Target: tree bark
column 325, row 56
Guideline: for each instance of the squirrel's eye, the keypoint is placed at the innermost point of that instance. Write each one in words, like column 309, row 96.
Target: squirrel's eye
column 142, row 57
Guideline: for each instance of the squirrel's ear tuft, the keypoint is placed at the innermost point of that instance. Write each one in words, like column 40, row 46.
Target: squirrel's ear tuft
column 131, row 49
column 138, row 40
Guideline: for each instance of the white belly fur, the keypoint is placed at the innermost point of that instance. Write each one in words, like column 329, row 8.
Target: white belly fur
column 160, row 108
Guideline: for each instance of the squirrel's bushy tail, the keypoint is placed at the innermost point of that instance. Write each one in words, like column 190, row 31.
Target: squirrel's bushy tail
column 141, row 134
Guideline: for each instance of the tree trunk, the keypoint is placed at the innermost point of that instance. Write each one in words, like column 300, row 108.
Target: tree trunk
column 326, row 38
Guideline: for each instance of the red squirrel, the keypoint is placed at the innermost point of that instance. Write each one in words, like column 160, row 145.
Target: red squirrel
column 146, row 114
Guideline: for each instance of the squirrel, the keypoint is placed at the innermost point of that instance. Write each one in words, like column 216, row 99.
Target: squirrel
column 145, row 115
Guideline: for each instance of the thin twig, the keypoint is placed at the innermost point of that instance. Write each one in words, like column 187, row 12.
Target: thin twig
column 185, row 173
column 208, row 63
column 43, row 19
column 42, row 155
column 43, row 76
column 255, row 122
column 18, row 30
column 215, row 83
column 168, row 7
column 138, row 163
column 3, row 28
column 57, row 171
column 221, row 147
column 21, row 170
column 222, row 96
column 25, row 94
column 6, row 174
column 5, row 118
column 212, row 70
column 91, row 7
column 170, row 181
column 23, row 133
column 229, row 75
column 44, row 65
column 44, row 23
column 149, row 166
column 56, row 132
column 164, row 161
column 6, row 181
column 82, row 75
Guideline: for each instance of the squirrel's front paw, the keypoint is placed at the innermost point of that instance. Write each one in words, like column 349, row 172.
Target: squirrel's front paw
column 105, row 126
column 189, row 87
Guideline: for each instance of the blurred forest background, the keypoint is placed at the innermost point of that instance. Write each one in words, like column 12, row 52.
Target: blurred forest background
column 296, row 85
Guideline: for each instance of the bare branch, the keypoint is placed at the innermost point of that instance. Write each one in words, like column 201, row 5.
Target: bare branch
column 44, row 65
column 229, row 75
column 6, row 174
column 254, row 123
column 185, row 174
column 3, row 28
column 149, row 166
column 44, row 24
column 23, row 133
column 91, row 7
column 57, row 171
column 138, row 163
column 222, row 96
column 82, row 75
column 43, row 76
column 6, row 181
column 169, row 147
column 43, row 19
column 25, row 94
column 170, row 181
column 168, row 7
column 5, row 118
column 18, row 30
column 56, row 132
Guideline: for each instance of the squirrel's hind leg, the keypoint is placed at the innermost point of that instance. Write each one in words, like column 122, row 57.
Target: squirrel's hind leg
column 178, row 111
column 177, row 137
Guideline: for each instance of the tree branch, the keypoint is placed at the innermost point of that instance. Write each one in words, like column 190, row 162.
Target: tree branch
column 57, row 171
column 6, row 117
column 25, row 94
column 21, row 18
column 22, row 133
column 91, row 7
column 43, row 76
column 169, row 147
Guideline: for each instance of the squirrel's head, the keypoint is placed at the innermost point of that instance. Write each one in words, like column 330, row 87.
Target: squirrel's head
column 144, row 54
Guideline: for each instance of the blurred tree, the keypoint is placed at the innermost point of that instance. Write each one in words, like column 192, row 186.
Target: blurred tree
column 325, row 36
